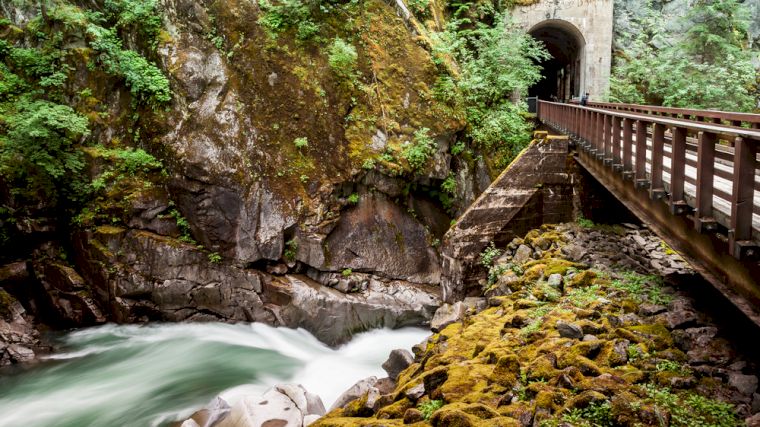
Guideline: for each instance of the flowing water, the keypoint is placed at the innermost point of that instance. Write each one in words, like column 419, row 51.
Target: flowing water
column 150, row 375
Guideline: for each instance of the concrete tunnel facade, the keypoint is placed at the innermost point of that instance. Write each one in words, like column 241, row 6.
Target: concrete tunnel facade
column 578, row 35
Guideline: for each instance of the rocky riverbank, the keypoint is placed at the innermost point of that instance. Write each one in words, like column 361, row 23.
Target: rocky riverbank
column 579, row 327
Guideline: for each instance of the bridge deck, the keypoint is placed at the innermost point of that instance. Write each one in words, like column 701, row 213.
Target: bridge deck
column 695, row 182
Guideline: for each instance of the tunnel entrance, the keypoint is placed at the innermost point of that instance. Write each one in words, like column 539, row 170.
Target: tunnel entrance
column 563, row 72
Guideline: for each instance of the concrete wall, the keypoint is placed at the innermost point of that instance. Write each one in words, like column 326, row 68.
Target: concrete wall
column 593, row 19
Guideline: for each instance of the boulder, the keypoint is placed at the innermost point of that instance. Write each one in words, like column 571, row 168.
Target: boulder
column 569, row 330
column 333, row 316
column 555, row 280
column 522, row 254
column 398, row 360
column 285, row 405
column 215, row 411
column 356, row 391
column 745, row 384
column 446, row 315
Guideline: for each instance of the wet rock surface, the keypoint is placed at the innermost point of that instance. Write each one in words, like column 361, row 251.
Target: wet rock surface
column 618, row 342
column 19, row 338
column 284, row 405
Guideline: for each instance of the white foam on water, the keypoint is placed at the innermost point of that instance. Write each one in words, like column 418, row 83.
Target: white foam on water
column 130, row 375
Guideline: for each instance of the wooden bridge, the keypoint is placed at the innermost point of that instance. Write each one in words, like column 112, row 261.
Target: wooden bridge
column 691, row 175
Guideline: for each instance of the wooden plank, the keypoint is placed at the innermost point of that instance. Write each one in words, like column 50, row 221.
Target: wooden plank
column 678, row 165
column 616, row 125
column 742, row 197
column 658, row 148
column 607, row 132
column 641, row 150
column 705, row 173
column 627, row 144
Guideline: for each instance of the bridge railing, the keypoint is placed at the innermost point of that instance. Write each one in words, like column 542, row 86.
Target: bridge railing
column 705, row 169
column 709, row 116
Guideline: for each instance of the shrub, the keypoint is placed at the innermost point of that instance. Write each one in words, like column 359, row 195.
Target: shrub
column 449, row 185
column 37, row 150
column 301, row 143
column 291, row 250
column 420, row 150
column 489, row 255
column 429, row 407
column 342, row 58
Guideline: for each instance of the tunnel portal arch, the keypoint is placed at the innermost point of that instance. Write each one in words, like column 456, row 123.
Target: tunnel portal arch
column 574, row 28
column 564, row 73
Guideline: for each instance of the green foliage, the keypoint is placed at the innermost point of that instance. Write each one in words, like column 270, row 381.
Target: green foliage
column 489, row 255
column 353, row 198
column 419, row 150
column 581, row 297
column 347, row 272
column 289, row 14
column 214, row 258
column 643, row 288
column 457, row 148
column 595, row 414
column 449, row 185
column 37, row 152
column 368, row 164
column 183, row 225
column 585, row 222
column 672, row 366
column 497, row 63
column 692, row 410
column 707, row 67
column 146, row 82
column 429, row 407
column 342, row 58
column 291, row 250
column 301, row 143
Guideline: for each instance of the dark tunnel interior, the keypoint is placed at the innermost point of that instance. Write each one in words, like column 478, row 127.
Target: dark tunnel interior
column 562, row 72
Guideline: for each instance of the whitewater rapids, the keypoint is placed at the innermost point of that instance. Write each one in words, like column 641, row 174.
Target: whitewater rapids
column 150, row 375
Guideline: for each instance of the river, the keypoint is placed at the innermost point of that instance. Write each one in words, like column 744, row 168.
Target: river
column 150, row 375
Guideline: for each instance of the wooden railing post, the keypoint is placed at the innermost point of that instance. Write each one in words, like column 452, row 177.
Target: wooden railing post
column 742, row 200
column 678, row 205
column 703, row 217
column 641, row 154
column 657, row 190
column 616, row 163
column 627, row 147
column 607, row 138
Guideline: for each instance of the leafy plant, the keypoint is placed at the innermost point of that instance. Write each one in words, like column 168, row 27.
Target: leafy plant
column 214, row 258
column 643, row 287
column 353, row 198
column 183, row 225
column 692, row 410
column 301, row 143
column 37, row 149
column 429, row 407
column 420, row 150
column 347, row 272
column 585, row 222
column 368, row 164
column 496, row 62
column 457, row 148
column 283, row 15
column 596, row 414
column 449, row 185
column 582, row 297
column 291, row 250
column 342, row 58
column 489, row 255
